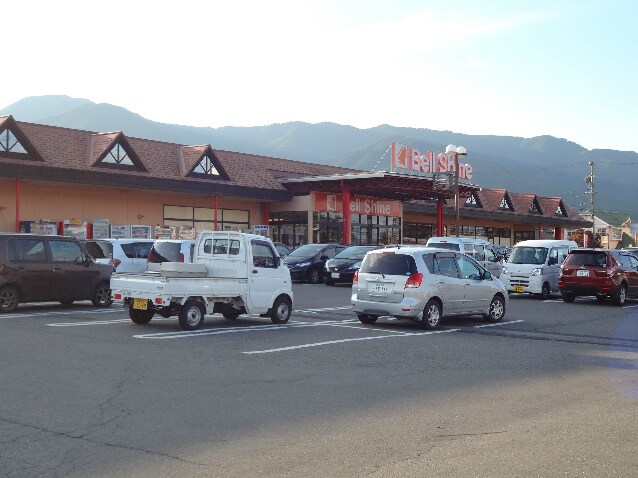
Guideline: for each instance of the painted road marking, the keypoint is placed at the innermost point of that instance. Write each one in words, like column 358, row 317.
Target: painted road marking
column 42, row 314
column 498, row 324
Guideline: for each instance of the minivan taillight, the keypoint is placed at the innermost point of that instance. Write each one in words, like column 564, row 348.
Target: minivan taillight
column 180, row 258
column 414, row 280
column 355, row 279
column 115, row 263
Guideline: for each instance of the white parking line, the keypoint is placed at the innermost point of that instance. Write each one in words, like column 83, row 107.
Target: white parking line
column 41, row 314
column 498, row 324
column 232, row 330
column 331, row 342
column 94, row 322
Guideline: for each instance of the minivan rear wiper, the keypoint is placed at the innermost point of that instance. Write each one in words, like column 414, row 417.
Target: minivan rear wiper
column 377, row 272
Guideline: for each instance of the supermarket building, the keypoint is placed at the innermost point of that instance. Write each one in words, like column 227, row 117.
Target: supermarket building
column 68, row 180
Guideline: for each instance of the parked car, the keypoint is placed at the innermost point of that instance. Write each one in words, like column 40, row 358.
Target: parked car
column 604, row 273
column 533, row 266
column 125, row 255
column 341, row 268
column 282, row 249
column 39, row 268
column 169, row 250
column 424, row 284
column 306, row 263
column 478, row 249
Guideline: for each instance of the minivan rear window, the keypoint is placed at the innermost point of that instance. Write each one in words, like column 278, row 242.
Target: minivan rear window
column 164, row 252
column 137, row 250
column 586, row 258
column 100, row 249
column 390, row 264
column 450, row 246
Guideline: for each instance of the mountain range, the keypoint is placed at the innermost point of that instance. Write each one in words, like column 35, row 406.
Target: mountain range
column 542, row 165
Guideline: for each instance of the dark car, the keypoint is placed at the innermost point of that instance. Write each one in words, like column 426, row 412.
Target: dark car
column 604, row 273
column 40, row 268
column 306, row 263
column 341, row 268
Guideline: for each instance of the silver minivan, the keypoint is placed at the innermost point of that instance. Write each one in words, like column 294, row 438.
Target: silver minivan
column 424, row 284
column 480, row 250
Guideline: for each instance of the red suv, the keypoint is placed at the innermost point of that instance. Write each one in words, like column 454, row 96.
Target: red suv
column 604, row 273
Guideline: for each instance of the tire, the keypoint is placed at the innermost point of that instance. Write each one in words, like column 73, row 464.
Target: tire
column 568, row 297
column 140, row 317
column 431, row 315
column 66, row 302
column 281, row 310
column 545, row 292
column 314, row 276
column 191, row 315
column 102, row 296
column 367, row 319
column 621, row 296
column 497, row 310
column 9, row 299
column 601, row 298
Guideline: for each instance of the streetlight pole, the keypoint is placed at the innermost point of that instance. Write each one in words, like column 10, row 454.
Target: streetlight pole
column 450, row 149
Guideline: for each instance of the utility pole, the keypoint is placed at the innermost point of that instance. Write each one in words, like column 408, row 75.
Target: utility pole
column 592, row 193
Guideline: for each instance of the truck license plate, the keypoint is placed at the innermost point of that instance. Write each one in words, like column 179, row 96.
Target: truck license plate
column 140, row 304
column 518, row 288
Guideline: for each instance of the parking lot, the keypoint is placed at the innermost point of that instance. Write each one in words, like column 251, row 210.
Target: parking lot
column 551, row 390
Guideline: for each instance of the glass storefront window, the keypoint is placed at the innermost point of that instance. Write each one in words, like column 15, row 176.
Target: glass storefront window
column 289, row 227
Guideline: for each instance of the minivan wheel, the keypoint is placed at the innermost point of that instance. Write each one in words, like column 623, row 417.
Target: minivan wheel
column 621, row 295
column 545, row 291
column 431, row 315
column 497, row 310
column 314, row 276
column 367, row 319
column 191, row 315
column 140, row 317
column 102, row 295
column 281, row 310
column 9, row 299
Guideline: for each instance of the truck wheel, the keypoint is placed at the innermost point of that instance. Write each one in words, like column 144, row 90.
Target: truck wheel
column 191, row 315
column 281, row 310
column 9, row 299
column 140, row 317
column 545, row 292
column 102, row 295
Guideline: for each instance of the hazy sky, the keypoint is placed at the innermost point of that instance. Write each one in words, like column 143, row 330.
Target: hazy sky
column 521, row 68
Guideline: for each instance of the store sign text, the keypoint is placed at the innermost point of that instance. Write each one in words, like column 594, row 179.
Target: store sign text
column 358, row 205
column 406, row 158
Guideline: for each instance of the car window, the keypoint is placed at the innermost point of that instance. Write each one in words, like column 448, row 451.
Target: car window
column 446, row 265
column 624, row 260
column 66, row 251
column 330, row 252
column 489, row 254
column 428, row 259
column 100, row 249
column 468, row 268
column 479, row 252
column 633, row 260
column 445, row 245
column 587, row 258
column 136, row 250
column 27, row 250
column 390, row 264
column 528, row 255
column 553, row 254
column 263, row 255
column 164, row 252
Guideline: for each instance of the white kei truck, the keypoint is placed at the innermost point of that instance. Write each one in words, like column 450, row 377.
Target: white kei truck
column 232, row 273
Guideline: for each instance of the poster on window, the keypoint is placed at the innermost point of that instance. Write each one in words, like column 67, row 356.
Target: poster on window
column 141, row 232
column 120, row 231
column 100, row 229
column 75, row 228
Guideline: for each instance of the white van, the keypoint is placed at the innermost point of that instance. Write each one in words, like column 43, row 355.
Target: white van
column 125, row 255
column 480, row 250
column 533, row 266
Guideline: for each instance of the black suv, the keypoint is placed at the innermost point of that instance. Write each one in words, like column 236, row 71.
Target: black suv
column 306, row 263
column 39, row 268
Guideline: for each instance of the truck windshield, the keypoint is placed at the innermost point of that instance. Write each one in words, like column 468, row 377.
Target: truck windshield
column 528, row 255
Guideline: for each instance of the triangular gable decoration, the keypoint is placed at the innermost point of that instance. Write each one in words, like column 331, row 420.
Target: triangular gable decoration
column 209, row 166
column 560, row 210
column 506, row 204
column 14, row 144
column 473, row 201
column 535, row 208
column 120, row 155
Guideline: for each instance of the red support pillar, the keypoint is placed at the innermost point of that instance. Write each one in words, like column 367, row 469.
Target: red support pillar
column 215, row 212
column 558, row 233
column 346, row 214
column 439, row 217
column 17, row 205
